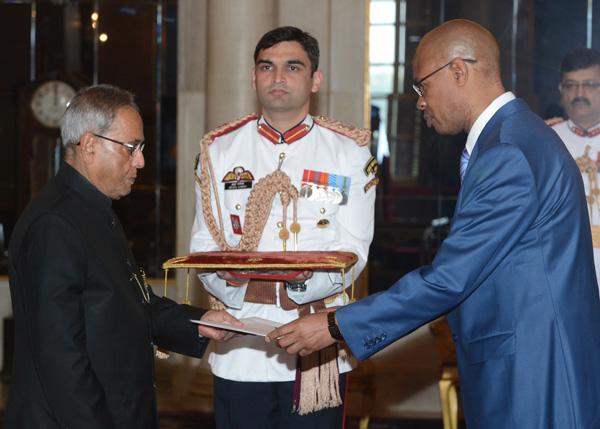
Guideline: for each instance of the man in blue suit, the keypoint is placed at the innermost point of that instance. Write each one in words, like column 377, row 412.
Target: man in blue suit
column 516, row 274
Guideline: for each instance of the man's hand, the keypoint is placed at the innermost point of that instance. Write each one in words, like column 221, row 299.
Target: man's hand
column 241, row 281
column 217, row 334
column 300, row 278
column 231, row 279
column 304, row 335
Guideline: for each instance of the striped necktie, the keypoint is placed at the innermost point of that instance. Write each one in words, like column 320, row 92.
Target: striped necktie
column 464, row 161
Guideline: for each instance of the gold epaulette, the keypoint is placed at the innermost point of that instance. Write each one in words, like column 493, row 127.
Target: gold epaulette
column 361, row 136
column 227, row 128
column 554, row 121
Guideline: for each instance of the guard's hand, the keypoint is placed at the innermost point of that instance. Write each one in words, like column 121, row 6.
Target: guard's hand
column 304, row 335
column 241, row 281
column 218, row 334
column 231, row 279
column 300, row 278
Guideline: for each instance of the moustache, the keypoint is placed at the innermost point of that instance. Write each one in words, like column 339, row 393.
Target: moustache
column 580, row 100
column 278, row 86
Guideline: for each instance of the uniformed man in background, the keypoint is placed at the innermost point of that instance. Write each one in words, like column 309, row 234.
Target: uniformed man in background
column 580, row 93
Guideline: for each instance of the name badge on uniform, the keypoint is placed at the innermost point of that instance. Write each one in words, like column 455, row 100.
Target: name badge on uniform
column 325, row 187
column 238, row 178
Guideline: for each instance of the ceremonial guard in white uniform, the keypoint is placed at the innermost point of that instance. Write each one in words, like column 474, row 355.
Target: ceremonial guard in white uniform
column 584, row 147
column 332, row 217
column 334, row 174
column 580, row 96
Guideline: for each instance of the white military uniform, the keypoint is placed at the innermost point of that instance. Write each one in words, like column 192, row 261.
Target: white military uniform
column 251, row 151
column 577, row 141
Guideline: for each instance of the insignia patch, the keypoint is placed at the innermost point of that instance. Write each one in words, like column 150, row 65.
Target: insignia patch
column 236, row 224
column 325, row 187
column 372, row 183
column 371, row 166
column 239, row 178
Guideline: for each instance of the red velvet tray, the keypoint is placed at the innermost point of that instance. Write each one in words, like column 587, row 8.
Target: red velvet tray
column 270, row 265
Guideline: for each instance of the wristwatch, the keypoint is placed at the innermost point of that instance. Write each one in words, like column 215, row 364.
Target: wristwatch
column 296, row 287
column 334, row 329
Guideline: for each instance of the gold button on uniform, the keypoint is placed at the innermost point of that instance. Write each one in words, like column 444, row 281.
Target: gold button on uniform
column 279, row 224
column 238, row 206
column 323, row 223
column 322, row 210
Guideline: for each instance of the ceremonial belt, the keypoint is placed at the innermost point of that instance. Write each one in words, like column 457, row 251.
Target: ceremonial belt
column 317, row 375
column 265, row 292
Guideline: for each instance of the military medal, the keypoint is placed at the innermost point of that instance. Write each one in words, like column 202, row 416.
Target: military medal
column 325, row 187
column 306, row 191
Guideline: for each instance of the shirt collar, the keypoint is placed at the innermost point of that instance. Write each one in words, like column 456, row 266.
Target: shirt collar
column 484, row 118
column 290, row 136
column 590, row 132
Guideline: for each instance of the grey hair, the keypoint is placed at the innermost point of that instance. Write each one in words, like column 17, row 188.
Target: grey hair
column 93, row 110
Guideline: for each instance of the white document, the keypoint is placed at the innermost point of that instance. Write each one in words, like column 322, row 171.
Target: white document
column 252, row 325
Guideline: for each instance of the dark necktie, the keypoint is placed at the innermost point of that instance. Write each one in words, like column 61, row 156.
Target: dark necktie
column 464, row 161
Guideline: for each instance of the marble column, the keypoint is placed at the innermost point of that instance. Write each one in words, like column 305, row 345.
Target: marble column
column 191, row 125
column 234, row 28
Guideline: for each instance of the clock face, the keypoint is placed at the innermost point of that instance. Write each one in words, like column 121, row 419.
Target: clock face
column 49, row 102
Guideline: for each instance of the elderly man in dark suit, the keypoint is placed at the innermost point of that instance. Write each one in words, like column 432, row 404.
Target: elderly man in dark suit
column 516, row 274
column 86, row 321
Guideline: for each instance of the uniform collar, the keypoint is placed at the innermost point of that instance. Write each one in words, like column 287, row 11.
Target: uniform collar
column 594, row 131
column 290, row 136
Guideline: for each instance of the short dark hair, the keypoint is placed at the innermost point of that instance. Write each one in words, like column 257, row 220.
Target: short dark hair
column 579, row 58
column 93, row 109
column 291, row 34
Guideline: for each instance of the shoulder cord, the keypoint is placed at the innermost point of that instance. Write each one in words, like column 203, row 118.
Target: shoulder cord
column 586, row 165
column 258, row 206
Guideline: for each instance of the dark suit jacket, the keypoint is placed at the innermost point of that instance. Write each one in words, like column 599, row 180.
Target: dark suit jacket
column 84, row 332
column 516, row 277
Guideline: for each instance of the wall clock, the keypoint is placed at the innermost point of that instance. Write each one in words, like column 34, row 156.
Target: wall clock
column 49, row 102
column 41, row 105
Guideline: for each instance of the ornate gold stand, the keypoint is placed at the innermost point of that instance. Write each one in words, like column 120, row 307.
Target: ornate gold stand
column 449, row 383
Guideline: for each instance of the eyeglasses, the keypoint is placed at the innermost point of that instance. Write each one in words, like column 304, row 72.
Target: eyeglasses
column 418, row 84
column 574, row 86
column 132, row 148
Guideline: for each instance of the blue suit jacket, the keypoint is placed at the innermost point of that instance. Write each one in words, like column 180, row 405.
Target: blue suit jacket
column 516, row 279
